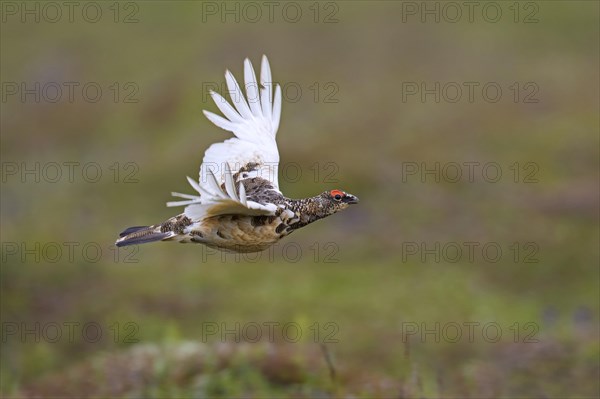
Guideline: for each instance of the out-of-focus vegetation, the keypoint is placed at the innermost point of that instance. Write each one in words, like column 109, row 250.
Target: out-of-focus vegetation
column 353, row 271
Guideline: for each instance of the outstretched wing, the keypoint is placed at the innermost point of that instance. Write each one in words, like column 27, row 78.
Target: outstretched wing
column 254, row 120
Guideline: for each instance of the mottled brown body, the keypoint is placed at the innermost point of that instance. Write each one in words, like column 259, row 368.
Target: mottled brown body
column 238, row 233
column 243, row 233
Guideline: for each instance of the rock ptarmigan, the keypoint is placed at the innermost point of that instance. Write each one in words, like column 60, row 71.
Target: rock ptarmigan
column 239, row 207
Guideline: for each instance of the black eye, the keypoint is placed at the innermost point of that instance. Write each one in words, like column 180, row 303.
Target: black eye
column 337, row 197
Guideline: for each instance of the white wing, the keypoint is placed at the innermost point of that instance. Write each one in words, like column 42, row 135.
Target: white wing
column 254, row 121
column 252, row 152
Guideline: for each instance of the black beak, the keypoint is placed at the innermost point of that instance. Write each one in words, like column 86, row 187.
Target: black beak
column 350, row 199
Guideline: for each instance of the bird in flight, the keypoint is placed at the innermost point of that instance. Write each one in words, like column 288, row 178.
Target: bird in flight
column 238, row 206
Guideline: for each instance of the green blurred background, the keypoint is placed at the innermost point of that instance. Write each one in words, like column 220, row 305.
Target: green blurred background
column 348, row 122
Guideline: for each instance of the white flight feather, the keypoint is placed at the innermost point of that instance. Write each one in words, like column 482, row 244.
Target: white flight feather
column 243, row 198
column 229, row 183
column 253, row 118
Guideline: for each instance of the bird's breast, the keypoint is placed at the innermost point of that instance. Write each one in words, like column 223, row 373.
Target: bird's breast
column 242, row 233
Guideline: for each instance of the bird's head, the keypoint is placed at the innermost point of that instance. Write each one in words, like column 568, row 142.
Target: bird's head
column 337, row 200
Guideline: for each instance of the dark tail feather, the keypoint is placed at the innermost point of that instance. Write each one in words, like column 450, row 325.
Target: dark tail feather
column 141, row 235
column 133, row 229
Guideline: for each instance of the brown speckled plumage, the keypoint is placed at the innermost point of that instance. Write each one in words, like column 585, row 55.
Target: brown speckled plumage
column 242, row 233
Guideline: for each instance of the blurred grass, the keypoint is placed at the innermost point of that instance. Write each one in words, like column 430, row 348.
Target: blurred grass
column 172, row 291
